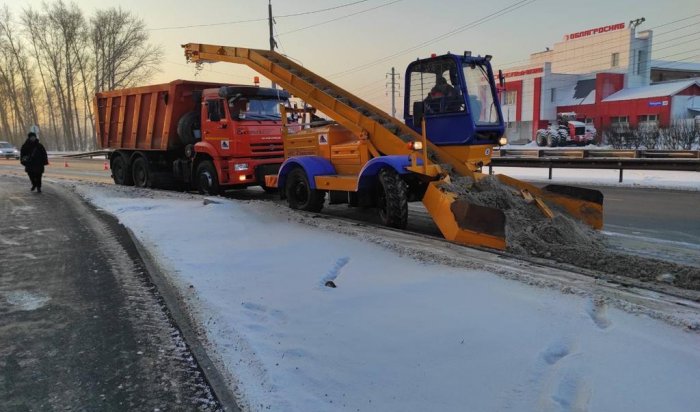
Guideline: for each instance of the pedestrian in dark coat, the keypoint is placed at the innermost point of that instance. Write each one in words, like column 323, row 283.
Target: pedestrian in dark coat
column 33, row 156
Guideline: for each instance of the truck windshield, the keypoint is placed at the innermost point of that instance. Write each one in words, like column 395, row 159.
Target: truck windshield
column 256, row 109
column 481, row 101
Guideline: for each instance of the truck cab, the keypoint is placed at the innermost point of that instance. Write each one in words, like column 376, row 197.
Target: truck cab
column 240, row 139
column 456, row 96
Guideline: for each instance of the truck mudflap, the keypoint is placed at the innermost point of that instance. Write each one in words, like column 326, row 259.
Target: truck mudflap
column 463, row 222
column 583, row 204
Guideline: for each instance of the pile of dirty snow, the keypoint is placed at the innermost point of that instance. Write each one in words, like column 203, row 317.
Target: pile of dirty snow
column 564, row 239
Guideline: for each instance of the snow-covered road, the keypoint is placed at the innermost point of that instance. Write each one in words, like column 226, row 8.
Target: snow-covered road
column 412, row 325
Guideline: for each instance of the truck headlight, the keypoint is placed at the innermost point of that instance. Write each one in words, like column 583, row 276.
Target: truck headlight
column 239, row 167
column 503, row 141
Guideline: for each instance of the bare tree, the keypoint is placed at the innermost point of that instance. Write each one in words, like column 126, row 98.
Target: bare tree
column 48, row 47
column 17, row 65
column 123, row 56
column 50, row 70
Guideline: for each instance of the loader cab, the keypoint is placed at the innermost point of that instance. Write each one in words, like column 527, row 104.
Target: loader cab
column 456, row 95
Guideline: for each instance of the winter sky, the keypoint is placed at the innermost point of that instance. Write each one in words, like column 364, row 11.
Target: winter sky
column 381, row 34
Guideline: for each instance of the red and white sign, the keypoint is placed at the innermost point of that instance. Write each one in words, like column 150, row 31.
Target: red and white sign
column 591, row 32
column 525, row 72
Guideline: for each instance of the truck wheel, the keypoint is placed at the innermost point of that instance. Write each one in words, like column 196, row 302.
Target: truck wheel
column 186, row 126
column 207, row 179
column 299, row 193
column 139, row 171
column 392, row 199
column 120, row 171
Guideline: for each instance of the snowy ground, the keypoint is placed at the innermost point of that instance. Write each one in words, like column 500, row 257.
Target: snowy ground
column 398, row 333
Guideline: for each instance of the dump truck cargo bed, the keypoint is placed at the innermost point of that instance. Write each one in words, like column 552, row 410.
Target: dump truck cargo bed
column 145, row 118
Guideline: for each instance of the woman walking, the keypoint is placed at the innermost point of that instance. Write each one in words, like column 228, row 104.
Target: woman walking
column 33, row 156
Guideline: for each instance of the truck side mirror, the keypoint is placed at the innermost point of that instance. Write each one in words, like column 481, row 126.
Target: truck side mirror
column 501, row 78
column 418, row 112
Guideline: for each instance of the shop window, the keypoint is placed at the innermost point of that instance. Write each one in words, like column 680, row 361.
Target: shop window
column 641, row 61
column 648, row 120
column 615, row 60
column 619, row 122
column 510, row 97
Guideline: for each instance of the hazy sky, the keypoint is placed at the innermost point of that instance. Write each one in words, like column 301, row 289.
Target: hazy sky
column 359, row 37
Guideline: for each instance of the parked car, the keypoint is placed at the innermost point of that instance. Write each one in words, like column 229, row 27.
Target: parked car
column 8, row 151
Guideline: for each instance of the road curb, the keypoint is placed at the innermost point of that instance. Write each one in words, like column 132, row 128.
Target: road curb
column 183, row 321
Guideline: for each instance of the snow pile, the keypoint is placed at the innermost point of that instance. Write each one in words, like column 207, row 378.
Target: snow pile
column 563, row 239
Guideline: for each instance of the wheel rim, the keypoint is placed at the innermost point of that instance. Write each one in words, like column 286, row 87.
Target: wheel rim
column 301, row 192
column 139, row 175
column 206, row 181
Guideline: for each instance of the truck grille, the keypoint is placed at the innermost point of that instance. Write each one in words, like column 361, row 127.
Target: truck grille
column 261, row 148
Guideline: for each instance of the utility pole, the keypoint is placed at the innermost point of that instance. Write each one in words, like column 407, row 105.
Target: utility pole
column 394, row 90
column 271, row 23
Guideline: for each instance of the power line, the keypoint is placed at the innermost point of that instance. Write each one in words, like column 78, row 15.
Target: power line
column 450, row 33
column 341, row 17
column 599, row 54
column 669, row 65
column 615, row 39
column 261, row 19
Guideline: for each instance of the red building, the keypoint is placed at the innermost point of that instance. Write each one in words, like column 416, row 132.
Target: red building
column 656, row 104
column 604, row 75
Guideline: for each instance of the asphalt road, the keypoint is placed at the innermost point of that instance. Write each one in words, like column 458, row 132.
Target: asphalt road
column 669, row 215
column 81, row 326
column 672, row 215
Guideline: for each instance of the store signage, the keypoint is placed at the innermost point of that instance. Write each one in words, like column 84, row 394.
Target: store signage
column 523, row 72
column 658, row 104
column 591, row 32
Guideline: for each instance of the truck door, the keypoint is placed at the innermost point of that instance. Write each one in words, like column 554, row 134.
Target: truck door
column 215, row 125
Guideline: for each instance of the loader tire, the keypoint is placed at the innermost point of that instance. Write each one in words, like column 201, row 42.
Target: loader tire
column 552, row 139
column 392, row 199
column 300, row 195
column 541, row 138
column 188, row 123
column 207, row 179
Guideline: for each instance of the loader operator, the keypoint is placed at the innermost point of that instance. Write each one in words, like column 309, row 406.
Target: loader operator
column 441, row 89
column 435, row 103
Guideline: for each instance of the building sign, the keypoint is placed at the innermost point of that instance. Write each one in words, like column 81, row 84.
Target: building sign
column 658, row 104
column 519, row 73
column 591, row 32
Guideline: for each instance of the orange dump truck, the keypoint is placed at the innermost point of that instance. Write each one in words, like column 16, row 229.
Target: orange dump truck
column 207, row 136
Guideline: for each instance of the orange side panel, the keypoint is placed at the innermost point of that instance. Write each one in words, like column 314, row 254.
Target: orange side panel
column 145, row 118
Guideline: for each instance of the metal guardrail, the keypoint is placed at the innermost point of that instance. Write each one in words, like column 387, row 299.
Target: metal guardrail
column 676, row 160
column 89, row 154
